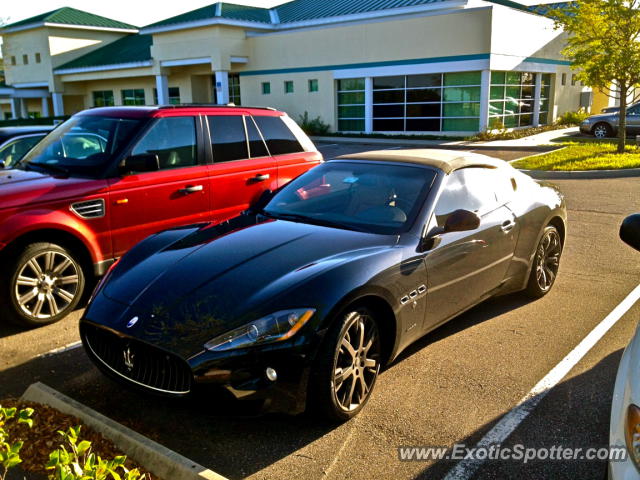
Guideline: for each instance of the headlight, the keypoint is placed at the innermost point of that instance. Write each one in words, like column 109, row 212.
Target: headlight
column 273, row 328
column 632, row 433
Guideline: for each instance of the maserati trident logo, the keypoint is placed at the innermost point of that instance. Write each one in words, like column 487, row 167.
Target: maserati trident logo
column 128, row 358
column 132, row 322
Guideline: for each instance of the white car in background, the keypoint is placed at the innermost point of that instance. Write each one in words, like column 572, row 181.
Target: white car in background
column 625, row 411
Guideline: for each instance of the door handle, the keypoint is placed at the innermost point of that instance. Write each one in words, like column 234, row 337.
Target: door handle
column 261, row 177
column 191, row 189
column 507, row 226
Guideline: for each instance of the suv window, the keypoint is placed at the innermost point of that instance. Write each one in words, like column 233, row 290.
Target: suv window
column 278, row 136
column 468, row 189
column 173, row 139
column 257, row 147
column 228, row 138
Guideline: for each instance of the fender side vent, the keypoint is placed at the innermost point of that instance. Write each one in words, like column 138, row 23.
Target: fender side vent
column 89, row 209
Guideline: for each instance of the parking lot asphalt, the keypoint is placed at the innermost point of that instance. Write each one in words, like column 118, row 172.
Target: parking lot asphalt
column 450, row 387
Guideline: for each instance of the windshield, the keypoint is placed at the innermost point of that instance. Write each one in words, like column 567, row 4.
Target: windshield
column 82, row 146
column 13, row 151
column 370, row 197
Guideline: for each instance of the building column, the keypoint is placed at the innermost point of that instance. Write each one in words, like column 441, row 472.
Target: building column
column 45, row 107
column 162, row 85
column 485, row 86
column 58, row 104
column 368, row 105
column 536, row 100
column 15, row 108
column 222, row 87
column 24, row 111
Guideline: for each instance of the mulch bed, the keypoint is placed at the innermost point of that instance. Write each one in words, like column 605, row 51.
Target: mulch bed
column 43, row 437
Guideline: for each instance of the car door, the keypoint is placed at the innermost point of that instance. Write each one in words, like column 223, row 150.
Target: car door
column 242, row 168
column 463, row 267
column 294, row 152
column 177, row 194
column 633, row 120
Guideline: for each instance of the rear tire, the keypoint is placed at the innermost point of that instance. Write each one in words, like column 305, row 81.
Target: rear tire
column 347, row 366
column 42, row 285
column 546, row 262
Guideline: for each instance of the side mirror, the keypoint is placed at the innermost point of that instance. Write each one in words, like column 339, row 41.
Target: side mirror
column 457, row 221
column 461, row 221
column 146, row 162
column 630, row 231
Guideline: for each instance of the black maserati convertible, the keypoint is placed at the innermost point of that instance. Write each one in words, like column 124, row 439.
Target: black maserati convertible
column 300, row 300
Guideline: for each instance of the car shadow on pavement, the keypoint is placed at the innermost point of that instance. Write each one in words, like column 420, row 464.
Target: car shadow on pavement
column 582, row 402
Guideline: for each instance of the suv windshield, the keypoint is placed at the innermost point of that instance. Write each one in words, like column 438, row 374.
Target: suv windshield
column 369, row 197
column 82, row 146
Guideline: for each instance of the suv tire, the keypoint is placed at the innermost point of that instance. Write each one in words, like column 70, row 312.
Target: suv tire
column 42, row 285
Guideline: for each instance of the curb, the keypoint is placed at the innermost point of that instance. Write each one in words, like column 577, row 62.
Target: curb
column 157, row 459
column 457, row 145
column 582, row 174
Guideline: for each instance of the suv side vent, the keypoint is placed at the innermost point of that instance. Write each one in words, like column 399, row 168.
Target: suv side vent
column 89, row 209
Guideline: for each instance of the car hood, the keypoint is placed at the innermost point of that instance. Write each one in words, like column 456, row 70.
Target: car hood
column 206, row 284
column 21, row 187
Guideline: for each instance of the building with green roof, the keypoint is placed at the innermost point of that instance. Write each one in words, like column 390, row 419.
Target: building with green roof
column 409, row 66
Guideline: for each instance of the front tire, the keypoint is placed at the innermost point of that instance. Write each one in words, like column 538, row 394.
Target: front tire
column 602, row 130
column 43, row 285
column 546, row 262
column 347, row 366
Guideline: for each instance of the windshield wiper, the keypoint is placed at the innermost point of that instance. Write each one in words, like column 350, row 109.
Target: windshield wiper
column 293, row 217
column 50, row 167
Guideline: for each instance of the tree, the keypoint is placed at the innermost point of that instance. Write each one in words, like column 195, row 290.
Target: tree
column 604, row 45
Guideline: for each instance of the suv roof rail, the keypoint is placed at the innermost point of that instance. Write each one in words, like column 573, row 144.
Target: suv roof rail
column 213, row 105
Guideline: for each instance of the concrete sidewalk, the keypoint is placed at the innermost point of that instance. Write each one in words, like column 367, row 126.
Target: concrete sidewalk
column 525, row 143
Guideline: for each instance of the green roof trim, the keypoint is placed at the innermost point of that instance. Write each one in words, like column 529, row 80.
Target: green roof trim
column 129, row 49
column 72, row 16
column 243, row 12
column 545, row 9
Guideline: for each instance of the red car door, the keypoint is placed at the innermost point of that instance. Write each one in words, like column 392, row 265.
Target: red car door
column 242, row 168
column 177, row 194
column 289, row 145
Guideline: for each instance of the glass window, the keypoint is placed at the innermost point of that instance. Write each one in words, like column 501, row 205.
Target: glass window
column 429, row 80
column 257, row 147
column 173, row 140
column 351, row 125
column 38, row 57
column 462, row 78
column 461, row 109
column 133, row 97
column 388, row 125
column 564, row 79
column 84, row 145
column 12, row 152
column 388, row 82
column 376, row 198
column 423, row 110
column 462, row 94
column 514, row 78
column 313, row 85
column 279, row 138
column 174, row 96
column 350, row 98
column 424, row 95
column 423, row 124
column 573, row 79
column 460, row 124
column 103, row 98
column 496, row 93
column 467, row 189
column 351, row 105
column 266, row 88
column 388, row 110
column 228, row 138
column 288, row 86
column 351, row 84
column 498, row 78
column 25, row 59
column 388, row 96
column 13, row 60
column 351, row 111
column 234, row 89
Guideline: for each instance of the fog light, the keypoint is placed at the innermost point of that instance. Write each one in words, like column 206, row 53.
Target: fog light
column 272, row 374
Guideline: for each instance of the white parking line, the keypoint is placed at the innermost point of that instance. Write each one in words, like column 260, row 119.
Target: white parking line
column 500, row 432
column 63, row 349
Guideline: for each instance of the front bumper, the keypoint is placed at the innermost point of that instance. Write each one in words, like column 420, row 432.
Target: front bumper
column 241, row 373
column 585, row 128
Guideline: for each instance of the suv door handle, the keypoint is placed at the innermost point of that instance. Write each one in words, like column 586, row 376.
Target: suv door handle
column 507, row 226
column 191, row 189
column 261, row 177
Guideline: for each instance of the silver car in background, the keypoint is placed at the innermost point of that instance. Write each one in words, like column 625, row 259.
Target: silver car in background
column 606, row 124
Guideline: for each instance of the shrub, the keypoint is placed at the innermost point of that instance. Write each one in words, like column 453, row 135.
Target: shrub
column 313, row 126
column 10, row 450
column 572, row 118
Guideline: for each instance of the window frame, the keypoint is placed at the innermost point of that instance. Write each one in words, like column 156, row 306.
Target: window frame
column 123, row 95
column 210, row 137
column 102, row 92
column 25, row 59
column 267, row 90
column 288, row 83
column 314, row 85
column 38, row 57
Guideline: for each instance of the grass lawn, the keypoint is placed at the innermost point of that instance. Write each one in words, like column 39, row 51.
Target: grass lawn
column 594, row 155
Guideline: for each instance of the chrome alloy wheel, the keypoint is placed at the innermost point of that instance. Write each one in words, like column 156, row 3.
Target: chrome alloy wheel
column 601, row 131
column 548, row 259
column 357, row 362
column 47, row 284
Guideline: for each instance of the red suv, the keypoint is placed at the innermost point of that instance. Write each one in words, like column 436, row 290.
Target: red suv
column 109, row 177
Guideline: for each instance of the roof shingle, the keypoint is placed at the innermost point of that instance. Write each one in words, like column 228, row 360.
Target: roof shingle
column 72, row 16
column 129, row 49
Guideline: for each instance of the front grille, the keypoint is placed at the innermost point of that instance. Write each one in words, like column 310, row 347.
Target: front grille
column 89, row 209
column 138, row 362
